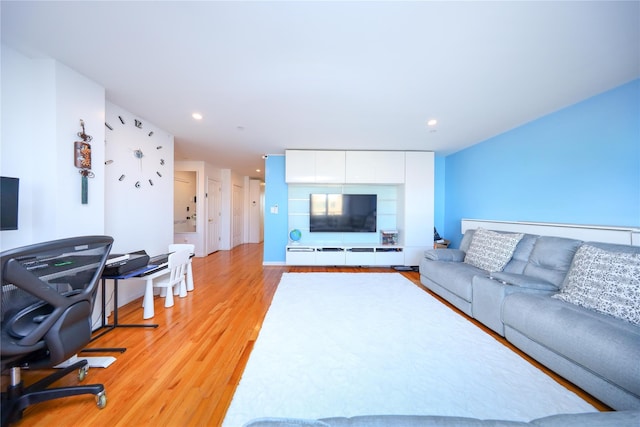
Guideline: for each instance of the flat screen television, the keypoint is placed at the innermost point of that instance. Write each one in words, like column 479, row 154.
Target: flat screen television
column 345, row 213
column 9, row 203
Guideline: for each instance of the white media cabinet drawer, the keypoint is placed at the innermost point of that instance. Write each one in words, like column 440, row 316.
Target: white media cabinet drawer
column 389, row 256
column 299, row 255
column 330, row 256
column 345, row 255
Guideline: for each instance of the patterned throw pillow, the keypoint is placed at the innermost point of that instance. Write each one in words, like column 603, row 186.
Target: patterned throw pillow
column 491, row 251
column 604, row 281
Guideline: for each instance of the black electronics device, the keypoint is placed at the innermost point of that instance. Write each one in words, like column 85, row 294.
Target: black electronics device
column 123, row 264
column 350, row 213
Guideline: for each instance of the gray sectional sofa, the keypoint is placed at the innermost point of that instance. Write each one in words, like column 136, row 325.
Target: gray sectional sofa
column 571, row 305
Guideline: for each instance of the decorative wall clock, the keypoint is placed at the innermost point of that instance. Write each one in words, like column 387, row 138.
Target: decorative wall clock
column 136, row 154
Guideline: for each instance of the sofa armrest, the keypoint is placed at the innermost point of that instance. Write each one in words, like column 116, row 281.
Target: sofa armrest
column 452, row 255
column 523, row 281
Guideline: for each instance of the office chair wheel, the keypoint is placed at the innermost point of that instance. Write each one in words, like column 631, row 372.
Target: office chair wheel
column 82, row 373
column 101, row 400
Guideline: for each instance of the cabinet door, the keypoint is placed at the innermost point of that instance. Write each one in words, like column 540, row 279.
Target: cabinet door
column 359, row 167
column 375, row 167
column 389, row 167
column 300, row 166
column 334, row 256
column 389, row 257
column 360, row 256
column 297, row 256
column 309, row 166
column 418, row 209
column 329, row 167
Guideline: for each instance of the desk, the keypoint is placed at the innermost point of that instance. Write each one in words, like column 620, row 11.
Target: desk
column 109, row 327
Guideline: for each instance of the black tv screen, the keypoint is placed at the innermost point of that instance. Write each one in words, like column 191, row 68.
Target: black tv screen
column 346, row 213
column 9, row 203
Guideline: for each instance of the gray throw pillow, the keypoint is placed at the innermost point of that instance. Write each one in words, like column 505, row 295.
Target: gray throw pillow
column 491, row 251
column 604, row 281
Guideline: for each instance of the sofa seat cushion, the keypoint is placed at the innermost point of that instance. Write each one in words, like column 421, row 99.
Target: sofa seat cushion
column 605, row 281
column 602, row 344
column 490, row 250
column 454, row 276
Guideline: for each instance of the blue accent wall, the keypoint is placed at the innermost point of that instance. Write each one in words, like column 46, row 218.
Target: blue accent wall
column 439, row 195
column 578, row 165
column 275, row 225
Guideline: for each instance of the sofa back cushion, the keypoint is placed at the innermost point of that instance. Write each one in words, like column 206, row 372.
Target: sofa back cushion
column 607, row 281
column 466, row 240
column 521, row 254
column 551, row 258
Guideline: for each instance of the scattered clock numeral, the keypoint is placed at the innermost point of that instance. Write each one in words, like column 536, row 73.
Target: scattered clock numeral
column 159, row 174
column 138, row 185
column 151, row 183
column 161, row 162
column 138, row 123
column 121, row 177
column 121, row 119
column 151, row 133
column 108, row 126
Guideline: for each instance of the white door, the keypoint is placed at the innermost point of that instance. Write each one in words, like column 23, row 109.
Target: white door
column 237, row 218
column 213, row 216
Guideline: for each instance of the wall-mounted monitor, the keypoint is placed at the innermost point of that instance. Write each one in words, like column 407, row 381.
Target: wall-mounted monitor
column 344, row 213
column 9, row 203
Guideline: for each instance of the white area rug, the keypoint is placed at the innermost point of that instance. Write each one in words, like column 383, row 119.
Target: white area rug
column 346, row 344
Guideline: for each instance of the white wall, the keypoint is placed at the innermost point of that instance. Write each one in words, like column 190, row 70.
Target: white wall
column 42, row 104
column 137, row 218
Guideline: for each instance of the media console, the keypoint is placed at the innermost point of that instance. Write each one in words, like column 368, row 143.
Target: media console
column 352, row 255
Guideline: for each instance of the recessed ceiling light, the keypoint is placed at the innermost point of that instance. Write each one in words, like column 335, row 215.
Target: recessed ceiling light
column 258, row 170
column 432, row 122
column 197, row 116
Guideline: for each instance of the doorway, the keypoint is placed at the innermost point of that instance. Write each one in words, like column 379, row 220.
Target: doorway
column 213, row 215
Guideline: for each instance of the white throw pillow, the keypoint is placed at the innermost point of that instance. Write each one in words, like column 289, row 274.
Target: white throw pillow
column 604, row 281
column 491, row 251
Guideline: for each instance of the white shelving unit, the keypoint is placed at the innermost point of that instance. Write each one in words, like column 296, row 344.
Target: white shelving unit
column 404, row 182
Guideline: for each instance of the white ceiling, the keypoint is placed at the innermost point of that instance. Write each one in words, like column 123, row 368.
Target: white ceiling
column 334, row 75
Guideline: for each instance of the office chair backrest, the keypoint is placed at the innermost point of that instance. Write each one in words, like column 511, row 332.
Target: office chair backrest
column 48, row 292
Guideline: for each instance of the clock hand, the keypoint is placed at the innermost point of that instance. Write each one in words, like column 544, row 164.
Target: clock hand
column 139, row 154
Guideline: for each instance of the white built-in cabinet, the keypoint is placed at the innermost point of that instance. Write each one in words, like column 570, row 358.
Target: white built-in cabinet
column 340, row 167
column 308, row 166
column 374, row 167
column 412, row 172
column 417, row 216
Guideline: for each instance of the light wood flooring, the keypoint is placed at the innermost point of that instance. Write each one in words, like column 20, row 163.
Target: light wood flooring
column 184, row 373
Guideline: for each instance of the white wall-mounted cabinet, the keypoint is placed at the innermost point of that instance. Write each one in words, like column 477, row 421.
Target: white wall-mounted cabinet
column 344, row 167
column 310, row 166
column 374, row 167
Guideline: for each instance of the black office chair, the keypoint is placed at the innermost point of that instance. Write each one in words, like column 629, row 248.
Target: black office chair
column 48, row 293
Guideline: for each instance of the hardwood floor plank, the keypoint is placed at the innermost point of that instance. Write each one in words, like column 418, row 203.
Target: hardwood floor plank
column 184, row 373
